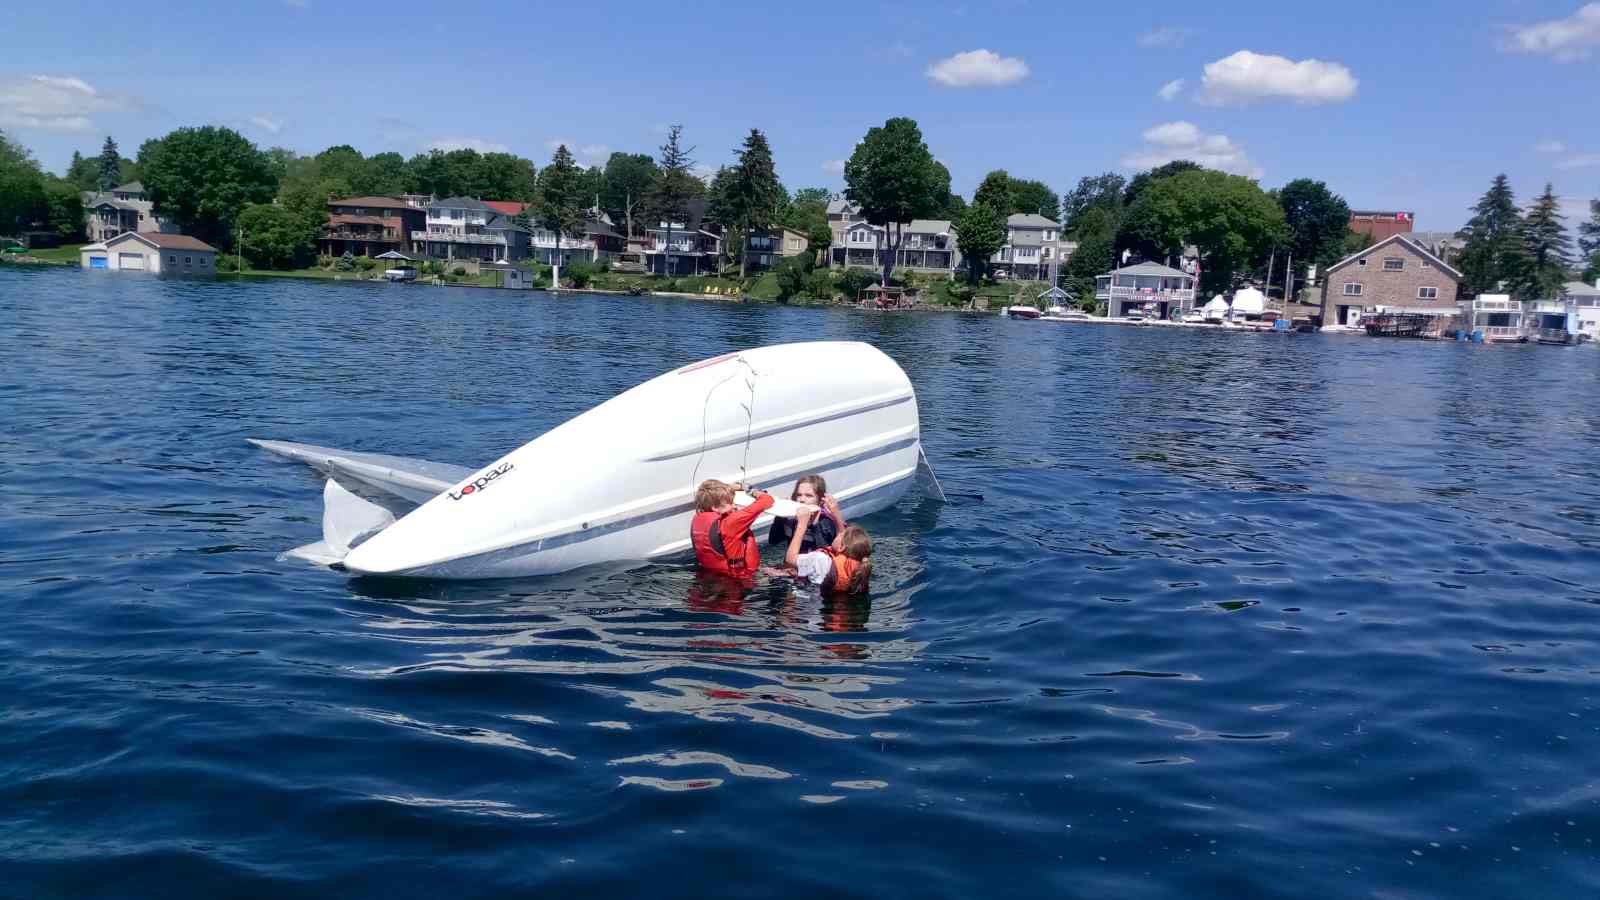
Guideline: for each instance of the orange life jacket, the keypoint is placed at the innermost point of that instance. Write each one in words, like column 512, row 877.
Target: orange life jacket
column 843, row 572
column 723, row 543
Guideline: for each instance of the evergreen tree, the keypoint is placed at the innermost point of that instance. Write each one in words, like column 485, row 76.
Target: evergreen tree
column 754, row 194
column 561, row 203
column 1589, row 232
column 1493, row 251
column 110, row 165
column 1548, row 249
column 676, row 186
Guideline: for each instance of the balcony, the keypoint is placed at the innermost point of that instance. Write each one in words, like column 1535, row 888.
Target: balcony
column 458, row 238
column 1157, row 295
column 345, row 234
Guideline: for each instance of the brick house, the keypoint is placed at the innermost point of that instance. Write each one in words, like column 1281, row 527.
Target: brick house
column 1393, row 275
column 368, row 226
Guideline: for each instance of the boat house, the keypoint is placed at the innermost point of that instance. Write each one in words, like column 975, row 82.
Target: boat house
column 151, row 251
column 1127, row 289
column 1394, row 276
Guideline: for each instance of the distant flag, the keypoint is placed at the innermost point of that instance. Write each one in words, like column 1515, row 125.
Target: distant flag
column 1402, row 217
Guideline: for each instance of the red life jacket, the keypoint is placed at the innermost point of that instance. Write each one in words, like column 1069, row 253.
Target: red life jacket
column 723, row 543
column 843, row 571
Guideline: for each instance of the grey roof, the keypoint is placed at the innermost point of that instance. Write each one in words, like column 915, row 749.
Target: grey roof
column 928, row 226
column 462, row 203
column 1150, row 268
column 1030, row 220
column 1580, row 289
column 132, row 187
column 600, row 228
column 98, row 200
column 503, row 222
column 839, row 206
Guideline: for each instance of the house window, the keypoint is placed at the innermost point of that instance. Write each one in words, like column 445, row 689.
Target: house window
column 1352, row 288
column 1393, row 264
column 172, row 260
column 188, row 260
column 1427, row 293
column 1361, row 262
column 1049, row 235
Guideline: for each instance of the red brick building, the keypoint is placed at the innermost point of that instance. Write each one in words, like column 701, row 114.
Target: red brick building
column 1380, row 223
column 368, row 226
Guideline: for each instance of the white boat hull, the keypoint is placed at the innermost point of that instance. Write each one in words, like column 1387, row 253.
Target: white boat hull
column 617, row 482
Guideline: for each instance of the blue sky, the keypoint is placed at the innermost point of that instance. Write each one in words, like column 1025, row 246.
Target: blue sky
column 1395, row 105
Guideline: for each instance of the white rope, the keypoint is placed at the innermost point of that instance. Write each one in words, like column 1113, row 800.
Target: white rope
column 749, row 410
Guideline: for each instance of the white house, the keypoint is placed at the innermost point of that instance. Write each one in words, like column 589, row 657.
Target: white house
column 166, row 254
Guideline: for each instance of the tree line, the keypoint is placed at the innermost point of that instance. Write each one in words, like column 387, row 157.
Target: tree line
column 212, row 182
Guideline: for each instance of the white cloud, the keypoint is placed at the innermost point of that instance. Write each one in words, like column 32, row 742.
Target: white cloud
column 267, row 123
column 468, row 143
column 1567, row 40
column 834, row 167
column 1184, row 140
column 1550, row 147
column 978, row 68
column 56, row 103
column 585, row 154
column 1246, row 76
column 1167, row 36
column 1169, row 91
column 1580, row 161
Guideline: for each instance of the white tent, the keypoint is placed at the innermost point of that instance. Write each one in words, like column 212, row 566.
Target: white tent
column 1249, row 302
column 1217, row 308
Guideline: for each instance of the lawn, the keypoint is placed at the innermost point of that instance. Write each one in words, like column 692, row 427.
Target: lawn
column 66, row 254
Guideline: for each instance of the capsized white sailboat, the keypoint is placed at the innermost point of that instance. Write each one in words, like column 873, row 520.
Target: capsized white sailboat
column 617, row 482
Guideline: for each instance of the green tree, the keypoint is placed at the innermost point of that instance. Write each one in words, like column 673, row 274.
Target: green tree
column 1232, row 221
column 385, row 175
column 276, row 238
column 1589, row 232
column 23, row 202
column 1547, row 249
column 1093, row 192
column 792, row 274
column 629, row 178
column 110, row 165
column 202, row 178
column 1096, row 234
column 1591, row 273
column 669, row 197
column 344, row 166
column 893, row 178
column 996, row 193
column 1317, row 220
column 808, row 214
column 560, row 204
column 980, row 233
column 1035, row 198
column 64, row 209
column 1145, row 179
column 754, row 192
column 1493, row 252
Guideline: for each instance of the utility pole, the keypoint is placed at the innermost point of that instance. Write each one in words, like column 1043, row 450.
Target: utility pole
column 238, row 252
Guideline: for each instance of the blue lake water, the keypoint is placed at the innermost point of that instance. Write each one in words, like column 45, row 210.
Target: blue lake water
column 1207, row 614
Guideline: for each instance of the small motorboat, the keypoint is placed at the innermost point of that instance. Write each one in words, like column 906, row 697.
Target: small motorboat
column 1021, row 312
column 400, row 273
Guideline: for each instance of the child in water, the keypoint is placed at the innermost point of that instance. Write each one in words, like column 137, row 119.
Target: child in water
column 810, row 490
column 721, row 534
column 843, row 567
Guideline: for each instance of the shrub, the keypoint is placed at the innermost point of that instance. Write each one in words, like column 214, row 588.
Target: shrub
column 819, row 285
column 791, row 273
column 580, row 273
column 852, row 280
column 367, row 263
column 459, row 271
column 346, row 263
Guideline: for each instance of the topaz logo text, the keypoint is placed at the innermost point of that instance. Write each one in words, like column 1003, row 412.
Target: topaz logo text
column 482, row 482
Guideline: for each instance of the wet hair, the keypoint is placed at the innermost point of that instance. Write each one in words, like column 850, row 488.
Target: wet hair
column 854, row 543
column 816, row 482
column 711, row 494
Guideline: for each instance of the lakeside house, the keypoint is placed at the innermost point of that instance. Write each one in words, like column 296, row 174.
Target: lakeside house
column 1584, row 301
column 468, row 228
column 1394, row 275
column 107, row 214
column 368, row 226
column 929, row 245
column 764, row 247
column 1127, row 289
column 151, row 251
column 1032, row 248
column 600, row 241
column 683, row 246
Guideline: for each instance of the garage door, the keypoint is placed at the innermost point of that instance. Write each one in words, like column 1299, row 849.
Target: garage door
column 130, row 260
column 97, row 262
